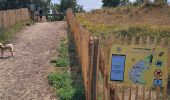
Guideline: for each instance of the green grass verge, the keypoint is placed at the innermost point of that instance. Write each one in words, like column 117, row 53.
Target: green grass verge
column 65, row 81
column 9, row 33
column 64, row 86
column 63, row 57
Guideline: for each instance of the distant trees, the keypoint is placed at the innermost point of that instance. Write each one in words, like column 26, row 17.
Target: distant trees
column 65, row 4
column 114, row 3
column 110, row 3
column 15, row 4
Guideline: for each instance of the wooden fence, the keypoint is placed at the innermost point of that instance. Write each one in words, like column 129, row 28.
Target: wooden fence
column 93, row 59
column 9, row 18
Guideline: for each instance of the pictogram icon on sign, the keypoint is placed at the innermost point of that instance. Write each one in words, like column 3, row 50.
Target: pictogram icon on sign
column 158, row 73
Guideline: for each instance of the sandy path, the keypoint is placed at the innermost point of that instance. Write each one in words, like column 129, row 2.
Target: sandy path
column 24, row 76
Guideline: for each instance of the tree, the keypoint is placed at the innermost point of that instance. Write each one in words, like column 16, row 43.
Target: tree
column 110, row 3
column 15, row 4
column 65, row 4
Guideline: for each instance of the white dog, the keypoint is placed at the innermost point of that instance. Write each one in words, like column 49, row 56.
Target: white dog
column 4, row 47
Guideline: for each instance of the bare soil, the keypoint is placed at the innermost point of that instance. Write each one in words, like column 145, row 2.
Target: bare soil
column 24, row 76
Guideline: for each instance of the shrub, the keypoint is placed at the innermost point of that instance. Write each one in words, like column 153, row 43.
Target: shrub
column 59, row 80
column 62, row 62
column 79, row 93
column 64, row 86
column 66, row 93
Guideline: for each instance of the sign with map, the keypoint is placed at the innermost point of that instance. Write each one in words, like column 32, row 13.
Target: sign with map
column 143, row 65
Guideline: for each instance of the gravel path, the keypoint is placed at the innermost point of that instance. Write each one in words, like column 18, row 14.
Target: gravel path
column 24, row 76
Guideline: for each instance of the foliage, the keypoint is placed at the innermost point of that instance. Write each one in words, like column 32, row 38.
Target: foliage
column 7, row 34
column 110, row 3
column 43, row 4
column 66, row 93
column 62, row 62
column 59, row 80
column 61, row 8
column 117, row 21
column 15, row 4
column 64, row 86
column 65, row 4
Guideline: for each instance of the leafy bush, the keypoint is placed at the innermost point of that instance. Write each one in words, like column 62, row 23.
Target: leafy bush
column 66, row 89
column 66, row 93
column 59, row 80
column 64, row 86
column 62, row 62
column 79, row 93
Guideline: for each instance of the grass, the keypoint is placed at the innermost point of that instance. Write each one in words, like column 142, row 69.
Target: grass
column 63, row 57
column 63, row 85
column 67, row 82
column 143, row 20
column 9, row 33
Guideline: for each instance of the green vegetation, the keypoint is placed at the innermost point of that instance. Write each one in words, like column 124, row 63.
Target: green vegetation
column 62, row 84
column 114, row 3
column 15, row 4
column 63, row 58
column 62, row 7
column 8, row 34
column 65, row 80
column 138, row 21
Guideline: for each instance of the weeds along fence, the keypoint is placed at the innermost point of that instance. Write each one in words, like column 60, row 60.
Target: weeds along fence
column 94, row 62
column 9, row 18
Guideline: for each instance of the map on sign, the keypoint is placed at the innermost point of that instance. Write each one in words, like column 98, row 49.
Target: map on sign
column 137, row 71
column 117, row 68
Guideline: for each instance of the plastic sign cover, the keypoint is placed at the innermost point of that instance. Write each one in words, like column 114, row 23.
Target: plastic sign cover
column 117, row 68
column 139, row 64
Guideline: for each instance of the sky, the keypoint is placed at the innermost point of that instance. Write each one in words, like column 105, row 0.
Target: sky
column 89, row 4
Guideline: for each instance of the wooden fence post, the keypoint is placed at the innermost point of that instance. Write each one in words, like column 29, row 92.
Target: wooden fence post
column 137, row 90
column 91, row 54
column 94, row 82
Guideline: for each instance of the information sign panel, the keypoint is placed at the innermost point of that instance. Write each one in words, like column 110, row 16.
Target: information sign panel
column 117, row 67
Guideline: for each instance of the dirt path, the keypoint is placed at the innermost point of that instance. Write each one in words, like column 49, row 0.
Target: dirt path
column 24, row 76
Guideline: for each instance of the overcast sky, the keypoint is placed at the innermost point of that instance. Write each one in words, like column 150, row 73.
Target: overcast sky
column 88, row 4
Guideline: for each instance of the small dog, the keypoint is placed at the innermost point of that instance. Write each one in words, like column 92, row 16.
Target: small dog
column 7, row 46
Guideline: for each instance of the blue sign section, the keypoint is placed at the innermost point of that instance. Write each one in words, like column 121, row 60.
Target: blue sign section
column 117, row 67
column 157, row 82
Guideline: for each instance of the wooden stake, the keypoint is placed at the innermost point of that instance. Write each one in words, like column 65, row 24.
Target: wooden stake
column 123, row 92
column 130, row 92
column 143, row 96
column 137, row 88
column 126, row 40
column 148, row 41
column 157, row 92
column 163, row 42
column 133, row 40
column 140, row 41
column 94, row 81
column 150, row 94
column 155, row 41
